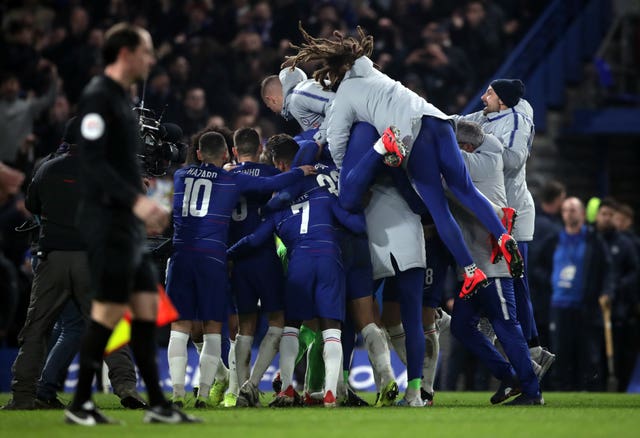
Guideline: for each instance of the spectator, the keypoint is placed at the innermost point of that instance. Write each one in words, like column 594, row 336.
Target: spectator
column 262, row 22
column 17, row 114
column 19, row 54
column 444, row 70
column 548, row 222
column 626, row 268
column 479, row 35
column 251, row 61
column 10, row 182
column 50, row 132
column 578, row 267
column 195, row 113
column 623, row 219
column 247, row 114
column 179, row 69
column 160, row 95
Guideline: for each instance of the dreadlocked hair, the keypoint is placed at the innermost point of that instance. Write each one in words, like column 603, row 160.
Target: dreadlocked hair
column 337, row 55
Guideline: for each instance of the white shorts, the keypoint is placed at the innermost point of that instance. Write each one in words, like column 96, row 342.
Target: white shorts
column 394, row 230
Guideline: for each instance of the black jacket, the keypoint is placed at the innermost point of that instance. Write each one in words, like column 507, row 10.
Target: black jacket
column 626, row 266
column 54, row 195
column 109, row 144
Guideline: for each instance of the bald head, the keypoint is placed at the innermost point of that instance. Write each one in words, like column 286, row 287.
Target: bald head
column 573, row 214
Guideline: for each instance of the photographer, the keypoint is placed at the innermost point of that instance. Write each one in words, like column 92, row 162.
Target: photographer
column 113, row 215
column 60, row 287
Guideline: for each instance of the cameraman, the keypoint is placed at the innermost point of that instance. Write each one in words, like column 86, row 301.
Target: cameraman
column 60, row 287
column 113, row 215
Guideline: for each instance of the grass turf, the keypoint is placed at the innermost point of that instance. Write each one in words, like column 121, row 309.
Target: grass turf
column 460, row 414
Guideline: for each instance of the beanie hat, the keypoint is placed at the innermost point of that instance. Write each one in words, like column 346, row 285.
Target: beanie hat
column 508, row 90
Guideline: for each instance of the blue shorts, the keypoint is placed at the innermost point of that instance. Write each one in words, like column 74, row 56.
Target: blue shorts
column 438, row 261
column 357, row 266
column 258, row 278
column 314, row 288
column 199, row 287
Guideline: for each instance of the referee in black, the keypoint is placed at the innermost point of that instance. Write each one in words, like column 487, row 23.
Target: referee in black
column 113, row 215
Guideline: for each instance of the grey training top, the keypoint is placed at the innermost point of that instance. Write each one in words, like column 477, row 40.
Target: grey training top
column 485, row 168
column 515, row 129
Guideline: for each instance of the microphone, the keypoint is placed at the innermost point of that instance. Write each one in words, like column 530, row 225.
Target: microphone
column 170, row 132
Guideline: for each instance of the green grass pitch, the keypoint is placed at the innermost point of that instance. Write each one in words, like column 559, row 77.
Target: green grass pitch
column 456, row 414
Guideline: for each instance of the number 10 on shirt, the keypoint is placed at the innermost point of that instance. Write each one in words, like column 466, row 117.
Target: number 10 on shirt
column 192, row 191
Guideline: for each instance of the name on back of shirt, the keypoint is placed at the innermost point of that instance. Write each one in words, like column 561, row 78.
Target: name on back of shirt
column 301, row 198
column 252, row 172
column 199, row 172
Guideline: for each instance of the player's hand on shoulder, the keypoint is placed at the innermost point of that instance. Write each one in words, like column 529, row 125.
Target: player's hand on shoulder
column 154, row 215
column 308, row 169
column 229, row 166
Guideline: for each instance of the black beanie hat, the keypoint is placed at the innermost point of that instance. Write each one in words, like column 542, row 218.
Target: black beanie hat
column 508, row 90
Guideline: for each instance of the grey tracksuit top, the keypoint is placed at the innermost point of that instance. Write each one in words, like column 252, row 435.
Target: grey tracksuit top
column 515, row 129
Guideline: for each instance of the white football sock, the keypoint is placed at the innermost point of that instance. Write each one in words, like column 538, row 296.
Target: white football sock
column 233, row 370
column 195, row 380
column 288, row 353
column 332, row 355
column 243, row 357
column 430, row 363
column 376, row 375
column 378, row 146
column 177, row 356
column 535, row 353
column 223, row 372
column 268, row 350
column 397, row 339
column 536, row 367
column 209, row 361
column 378, row 350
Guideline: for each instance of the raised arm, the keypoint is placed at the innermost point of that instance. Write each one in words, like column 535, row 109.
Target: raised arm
column 307, row 154
column 273, row 183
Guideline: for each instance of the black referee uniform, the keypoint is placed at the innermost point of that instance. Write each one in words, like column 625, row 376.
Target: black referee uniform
column 111, row 182
column 112, row 186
